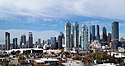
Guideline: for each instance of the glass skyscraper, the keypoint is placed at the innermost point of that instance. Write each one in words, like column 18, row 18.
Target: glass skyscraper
column 98, row 33
column 115, row 34
column 84, row 44
column 92, row 33
column 15, row 45
column 68, row 46
column 7, row 41
column 104, row 35
column 76, row 35
column 30, row 45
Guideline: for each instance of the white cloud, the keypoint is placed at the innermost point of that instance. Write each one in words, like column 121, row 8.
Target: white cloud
column 44, row 35
column 63, row 8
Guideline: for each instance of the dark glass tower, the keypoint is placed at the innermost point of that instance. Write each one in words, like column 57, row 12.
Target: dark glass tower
column 92, row 33
column 30, row 45
column 98, row 33
column 7, row 41
column 104, row 35
column 109, row 38
column 115, row 34
column 59, row 42
column 23, row 41
column 15, row 45
column 53, row 43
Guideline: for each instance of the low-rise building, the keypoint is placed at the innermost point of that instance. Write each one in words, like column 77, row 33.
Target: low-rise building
column 46, row 62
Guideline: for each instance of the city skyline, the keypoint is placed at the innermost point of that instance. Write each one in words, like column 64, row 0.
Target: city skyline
column 20, row 17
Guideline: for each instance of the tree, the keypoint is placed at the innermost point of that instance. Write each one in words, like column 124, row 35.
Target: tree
column 21, row 59
column 77, row 57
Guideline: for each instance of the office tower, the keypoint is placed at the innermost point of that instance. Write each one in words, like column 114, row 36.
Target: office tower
column 30, row 40
column 92, row 33
column 67, row 36
column 15, row 45
column 48, row 42
column 59, row 42
column 80, row 40
column 23, row 41
column 98, row 34
column 115, row 34
column 39, row 42
column 7, row 41
column 71, row 40
column 76, row 35
column 104, row 36
column 43, row 43
column 85, row 45
column 53, row 43
column 109, row 38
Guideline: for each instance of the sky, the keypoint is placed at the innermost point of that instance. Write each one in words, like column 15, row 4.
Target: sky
column 46, row 18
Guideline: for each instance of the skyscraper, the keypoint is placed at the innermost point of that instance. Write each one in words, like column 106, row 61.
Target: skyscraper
column 98, row 34
column 92, row 33
column 115, row 34
column 15, row 45
column 43, row 43
column 30, row 40
column 7, row 41
column 53, row 43
column 76, row 35
column 85, row 45
column 23, row 41
column 59, row 42
column 67, row 36
column 39, row 42
column 104, row 35
column 109, row 38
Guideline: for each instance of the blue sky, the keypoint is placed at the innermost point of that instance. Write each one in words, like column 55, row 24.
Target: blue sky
column 46, row 18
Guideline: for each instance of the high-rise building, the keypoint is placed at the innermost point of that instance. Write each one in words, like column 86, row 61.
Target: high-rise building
column 59, row 42
column 30, row 40
column 7, row 41
column 104, row 35
column 115, row 34
column 80, row 41
column 71, row 40
column 98, row 34
column 15, row 45
column 67, row 36
column 109, row 38
column 39, row 42
column 53, row 43
column 43, row 43
column 63, row 38
column 76, row 35
column 92, row 33
column 85, row 45
column 23, row 41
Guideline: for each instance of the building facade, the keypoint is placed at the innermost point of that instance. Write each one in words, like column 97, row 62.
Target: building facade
column 67, row 36
column 15, row 45
column 115, row 34
column 98, row 33
column 53, row 43
column 7, row 41
column 30, row 45
column 92, row 33
column 104, row 36
column 84, row 45
column 76, row 36
column 23, row 41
